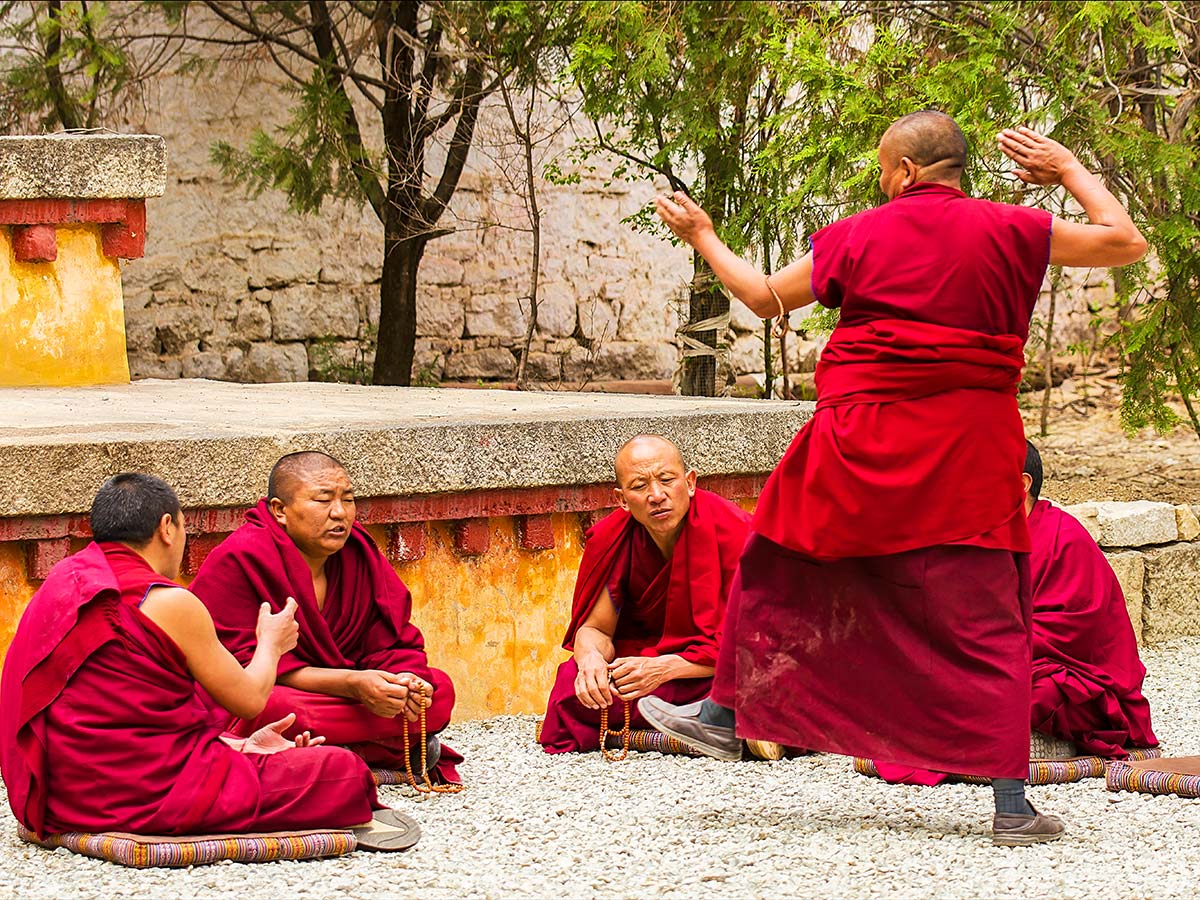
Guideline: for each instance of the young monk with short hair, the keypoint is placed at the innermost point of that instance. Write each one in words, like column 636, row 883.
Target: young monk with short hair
column 650, row 597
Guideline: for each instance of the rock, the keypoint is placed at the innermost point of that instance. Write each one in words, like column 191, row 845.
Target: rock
column 1172, row 592
column 1130, row 569
column 180, row 328
column 742, row 320
column 441, row 270
column 302, row 312
column 597, row 321
column 649, row 311
column 141, row 331
column 494, row 362
column 440, row 311
column 428, row 368
column 557, row 315
column 206, row 364
column 281, row 266
column 151, row 365
column 630, row 361
column 253, row 321
column 347, row 362
column 746, row 353
column 214, row 275
column 262, row 363
column 495, row 315
column 608, row 275
column 1186, row 523
column 1137, row 523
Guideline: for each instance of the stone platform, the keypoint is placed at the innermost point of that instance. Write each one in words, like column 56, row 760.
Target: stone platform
column 480, row 498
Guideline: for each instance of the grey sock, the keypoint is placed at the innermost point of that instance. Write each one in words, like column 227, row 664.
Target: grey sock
column 1010, row 797
column 715, row 714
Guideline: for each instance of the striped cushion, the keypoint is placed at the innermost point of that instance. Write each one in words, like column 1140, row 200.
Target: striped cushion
column 389, row 776
column 649, row 741
column 147, row 851
column 1124, row 777
column 1041, row 771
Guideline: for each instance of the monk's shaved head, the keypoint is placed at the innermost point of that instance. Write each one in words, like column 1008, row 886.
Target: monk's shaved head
column 931, row 139
column 642, row 445
column 295, row 469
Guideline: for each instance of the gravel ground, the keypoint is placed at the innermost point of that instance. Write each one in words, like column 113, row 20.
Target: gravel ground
column 532, row 825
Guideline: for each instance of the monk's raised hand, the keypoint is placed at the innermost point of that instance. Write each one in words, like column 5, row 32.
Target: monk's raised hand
column 278, row 630
column 637, row 676
column 1043, row 161
column 686, row 220
column 592, row 687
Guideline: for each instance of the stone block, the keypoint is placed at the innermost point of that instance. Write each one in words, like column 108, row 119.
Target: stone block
column 266, row 363
column 441, row 270
column 630, row 361
column 746, row 353
column 543, row 367
column 82, row 166
column 1137, row 523
column 253, row 322
column 597, row 321
column 279, row 266
column 214, row 275
column 494, row 362
column 648, row 312
column 1172, row 592
column 440, row 312
column 495, row 315
column 141, row 331
column 1130, row 569
column 151, row 365
column 205, row 364
column 743, row 320
column 180, row 328
column 557, row 315
column 609, row 275
column 304, row 311
column 1186, row 523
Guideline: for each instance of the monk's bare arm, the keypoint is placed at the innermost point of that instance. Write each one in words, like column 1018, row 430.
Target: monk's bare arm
column 593, row 652
column 386, row 694
column 793, row 283
column 242, row 691
column 1109, row 238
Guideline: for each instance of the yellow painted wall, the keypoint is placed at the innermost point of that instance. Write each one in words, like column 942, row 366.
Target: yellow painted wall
column 62, row 323
column 15, row 591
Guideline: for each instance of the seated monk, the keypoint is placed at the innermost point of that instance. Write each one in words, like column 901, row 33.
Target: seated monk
column 649, row 599
column 358, row 674
column 103, row 728
column 1087, row 675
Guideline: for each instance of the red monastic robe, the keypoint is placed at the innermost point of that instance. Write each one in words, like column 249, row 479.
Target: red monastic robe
column 102, row 727
column 673, row 606
column 882, row 607
column 365, row 623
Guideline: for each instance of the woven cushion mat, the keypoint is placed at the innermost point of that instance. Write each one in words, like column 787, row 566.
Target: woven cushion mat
column 1041, row 771
column 389, row 776
column 648, row 741
column 142, row 851
column 1180, row 776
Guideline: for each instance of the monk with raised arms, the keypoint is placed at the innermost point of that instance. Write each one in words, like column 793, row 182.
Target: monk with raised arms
column 649, row 599
column 882, row 606
column 358, row 674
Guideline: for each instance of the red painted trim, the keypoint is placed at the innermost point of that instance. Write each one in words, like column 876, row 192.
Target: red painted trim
column 535, row 532
column 198, row 548
column 472, row 537
column 122, row 235
column 42, row 556
column 126, row 239
column 34, row 243
column 406, row 542
column 65, row 211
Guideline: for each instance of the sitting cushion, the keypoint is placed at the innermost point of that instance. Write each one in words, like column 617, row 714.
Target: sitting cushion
column 650, row 741
column 1041, row 771
column 146, row 851
column 389, row 776
column 1179, row 776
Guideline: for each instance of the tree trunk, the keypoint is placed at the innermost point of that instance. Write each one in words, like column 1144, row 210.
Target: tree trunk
column 398, row 311
column 705, row 301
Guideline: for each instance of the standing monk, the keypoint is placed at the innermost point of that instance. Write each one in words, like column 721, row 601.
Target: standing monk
column 650, row 597
column 882, row 606
column 358, row 674
column 102, row 727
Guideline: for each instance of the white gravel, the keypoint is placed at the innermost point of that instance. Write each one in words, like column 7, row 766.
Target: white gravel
column 532, row 825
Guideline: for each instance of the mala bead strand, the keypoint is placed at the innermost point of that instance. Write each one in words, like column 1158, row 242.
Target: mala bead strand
column 623, row 734
column 428, row 787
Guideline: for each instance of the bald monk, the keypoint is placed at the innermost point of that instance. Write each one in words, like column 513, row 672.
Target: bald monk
column 1087, row 675
column 358, row 674
column 102, row 727
column 882, row 605
column 649, row 599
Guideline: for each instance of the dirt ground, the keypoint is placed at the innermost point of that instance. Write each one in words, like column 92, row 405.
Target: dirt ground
column 1087, row 456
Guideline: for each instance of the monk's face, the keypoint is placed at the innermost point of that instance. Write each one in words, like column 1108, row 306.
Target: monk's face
column 319, row 512
column 654, row 487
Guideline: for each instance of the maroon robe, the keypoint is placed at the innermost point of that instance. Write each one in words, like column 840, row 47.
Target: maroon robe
column 103, row 729
column 364, row 624
column 882, row 607
column 673, row 606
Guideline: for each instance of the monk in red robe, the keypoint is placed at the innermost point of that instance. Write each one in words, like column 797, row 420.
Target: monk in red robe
column 882, row 605
column 1087, row 675
column 358, row 674
column 649, row 600
column 103, row 727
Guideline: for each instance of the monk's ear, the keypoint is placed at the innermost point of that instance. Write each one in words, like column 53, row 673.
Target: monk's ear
column 168, row 529
column 911, row 170
column 619, row 497
column 276, row 507
column 690, row 478
column 1026, row 482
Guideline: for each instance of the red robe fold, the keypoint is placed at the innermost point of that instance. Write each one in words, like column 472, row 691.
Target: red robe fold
column 102, row 728
column 665, row 607
column 882, row 607
column 364, row 624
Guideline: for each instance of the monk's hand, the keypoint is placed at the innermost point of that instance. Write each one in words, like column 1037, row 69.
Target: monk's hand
column 592, row 687
column 1043, row 161
column 383, row 693
column 270, row 739
column 278, row 630
column 420, row 695
column 687, row 221
column 637, row 676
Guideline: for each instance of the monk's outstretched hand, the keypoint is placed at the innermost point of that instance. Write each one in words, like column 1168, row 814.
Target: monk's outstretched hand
column 592, row 683
column 278, row 631
column 637, row 676
column 270, row 739
column 687, row 221
column 1043, row 161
